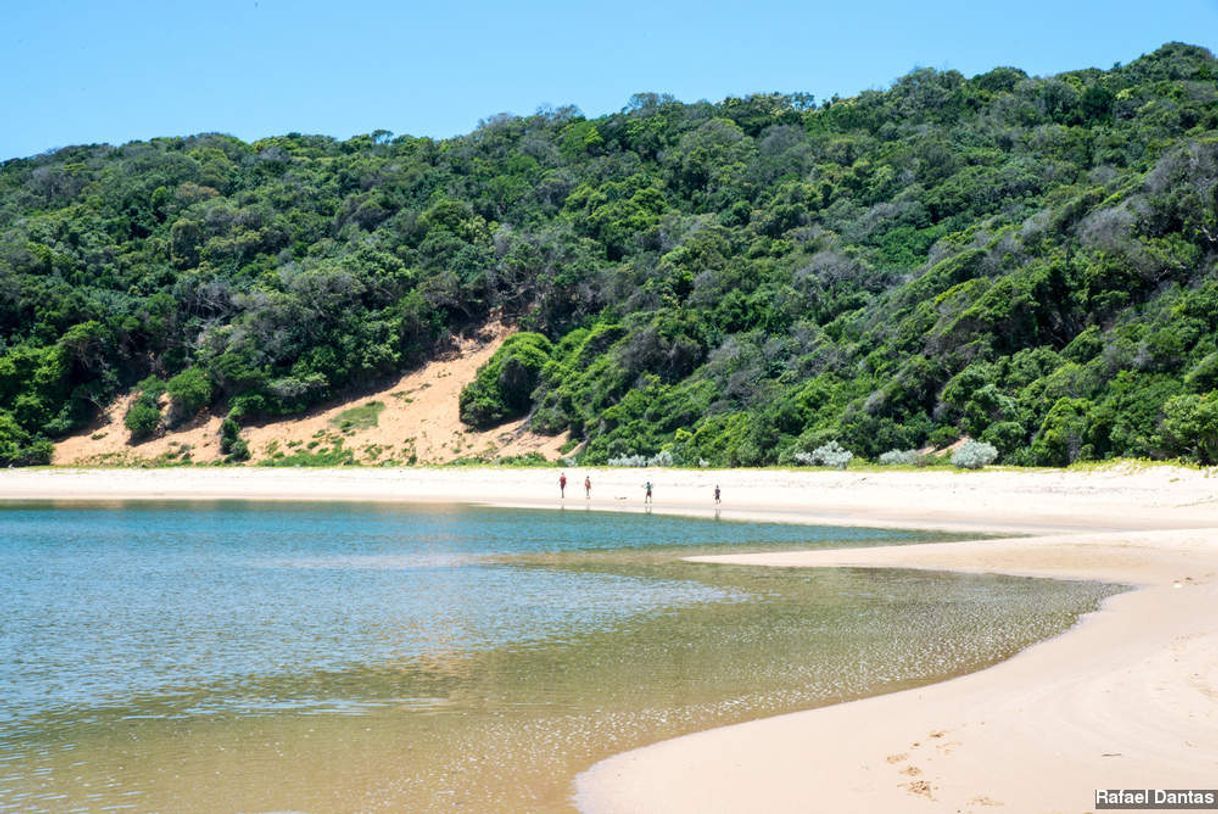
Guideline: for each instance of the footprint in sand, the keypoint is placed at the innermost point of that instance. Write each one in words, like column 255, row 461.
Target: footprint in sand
column 911, row 771
column 920, row 788
column 896, row 758
column 984, row 801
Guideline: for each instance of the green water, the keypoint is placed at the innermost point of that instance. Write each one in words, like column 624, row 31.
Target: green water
column 245, row 657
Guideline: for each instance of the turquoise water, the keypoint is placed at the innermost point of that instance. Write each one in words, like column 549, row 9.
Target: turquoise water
column 104, row 605
column 149, row 651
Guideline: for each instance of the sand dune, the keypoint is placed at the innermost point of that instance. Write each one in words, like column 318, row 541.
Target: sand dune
column 417, row 422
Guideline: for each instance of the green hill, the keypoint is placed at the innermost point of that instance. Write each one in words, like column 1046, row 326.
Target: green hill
column 1028, row 261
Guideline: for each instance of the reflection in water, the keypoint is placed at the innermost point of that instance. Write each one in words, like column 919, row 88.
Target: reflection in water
column 241, row 657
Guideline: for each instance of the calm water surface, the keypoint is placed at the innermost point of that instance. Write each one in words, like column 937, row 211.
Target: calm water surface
column 247, row 657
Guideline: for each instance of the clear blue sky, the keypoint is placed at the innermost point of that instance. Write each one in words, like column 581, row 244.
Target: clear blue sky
column 81, row 71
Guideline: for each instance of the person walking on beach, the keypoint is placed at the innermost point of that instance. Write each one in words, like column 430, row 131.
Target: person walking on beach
column 587, row 487
column 647, row 492
column 717, row 501
column 562, row 485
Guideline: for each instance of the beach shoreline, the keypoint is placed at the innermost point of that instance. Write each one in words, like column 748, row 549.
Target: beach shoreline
column 1128, row 698
column 993, row 501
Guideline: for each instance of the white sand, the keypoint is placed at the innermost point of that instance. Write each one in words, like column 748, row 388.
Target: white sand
column 991, row 501
column 1128, row 698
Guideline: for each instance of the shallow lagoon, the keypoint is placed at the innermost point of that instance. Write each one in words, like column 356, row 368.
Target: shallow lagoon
column 246, row 657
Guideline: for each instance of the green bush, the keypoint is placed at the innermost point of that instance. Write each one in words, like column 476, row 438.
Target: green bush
column 503, row 387
column 20, row 448
column 143, row 416
column 232, row 444
column 337, row 455
column 1062, row 438
column 189, row 392
column 238, row 451
column 1190, row 427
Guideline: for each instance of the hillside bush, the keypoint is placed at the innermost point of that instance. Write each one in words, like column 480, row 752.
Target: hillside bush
column 143, row 416
column 18, row 447
column 232, row 445
column 502, row 389
column 189, row 392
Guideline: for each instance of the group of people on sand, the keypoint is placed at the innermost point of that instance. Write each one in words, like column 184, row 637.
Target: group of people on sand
column 647, row 489
column 562, row 486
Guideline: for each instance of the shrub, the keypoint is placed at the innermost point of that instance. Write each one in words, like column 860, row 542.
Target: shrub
column 503, row 388
column 663, row 458
column 900, row 457
column 1203, row 375
column 331, row 456
column 18, row 447
column 143, row 417
column 829, row 454
column 1190, row 427
column 1063, row 433
column 528, row 459
column 974, row 455
column 238, row 451
column 189, row 392
column 232, row 445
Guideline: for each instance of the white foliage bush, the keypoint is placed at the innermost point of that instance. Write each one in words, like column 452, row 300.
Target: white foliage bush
column 629, row 460
column 899, row 457
column 974, row 455
column 830, row 454
column 663, row 458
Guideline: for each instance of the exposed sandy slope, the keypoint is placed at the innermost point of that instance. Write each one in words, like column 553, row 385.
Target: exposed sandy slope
column 419, row 423
column 1129, row 698
column 107, row 441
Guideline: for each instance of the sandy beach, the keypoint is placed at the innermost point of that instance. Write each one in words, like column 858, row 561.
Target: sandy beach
column 1126, row 699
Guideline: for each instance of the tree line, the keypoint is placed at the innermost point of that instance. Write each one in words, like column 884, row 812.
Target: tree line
column 1028, row 261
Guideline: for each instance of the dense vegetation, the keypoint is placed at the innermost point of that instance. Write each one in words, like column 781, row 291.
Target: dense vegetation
column 1027, row 261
